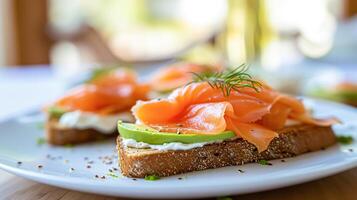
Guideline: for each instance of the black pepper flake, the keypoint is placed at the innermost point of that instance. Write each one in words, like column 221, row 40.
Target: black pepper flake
column 102, row 177
column 19, row 162
column 71, row 169
column 110, row 170
column 179, row 178
column 90, row 162
column 134, row 179
column 88, row 166
column 323, row 148
column 115, row 169
column 282, row 160
column 39, row 166
column 96, row 176
column 241, row 171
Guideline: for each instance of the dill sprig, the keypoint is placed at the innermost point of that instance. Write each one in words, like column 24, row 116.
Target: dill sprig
column 229, row 80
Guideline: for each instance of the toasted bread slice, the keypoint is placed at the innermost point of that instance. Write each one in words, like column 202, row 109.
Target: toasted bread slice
column 59, row 135
column 292, row 141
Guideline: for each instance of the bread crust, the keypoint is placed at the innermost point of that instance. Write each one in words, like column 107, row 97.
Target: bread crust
column 59, row 135
column 292, row 141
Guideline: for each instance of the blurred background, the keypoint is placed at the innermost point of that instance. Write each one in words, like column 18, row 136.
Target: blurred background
column 295, row 45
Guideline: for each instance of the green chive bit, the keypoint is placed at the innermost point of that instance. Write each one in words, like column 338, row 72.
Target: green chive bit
column 152, row 178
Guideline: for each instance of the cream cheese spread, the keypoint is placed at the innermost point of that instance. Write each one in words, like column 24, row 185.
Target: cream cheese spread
column 105, row 124
column 167, row 146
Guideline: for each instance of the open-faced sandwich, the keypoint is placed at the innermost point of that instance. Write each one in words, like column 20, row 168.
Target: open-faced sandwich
column 222, row 119
column 90, row 111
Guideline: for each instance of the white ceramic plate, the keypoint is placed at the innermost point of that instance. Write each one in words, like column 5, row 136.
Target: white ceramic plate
column 18, row 143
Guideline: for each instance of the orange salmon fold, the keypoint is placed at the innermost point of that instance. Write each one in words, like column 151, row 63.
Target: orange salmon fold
column 113, row 92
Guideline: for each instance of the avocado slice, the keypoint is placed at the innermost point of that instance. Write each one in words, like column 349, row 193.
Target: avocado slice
column 142, row 133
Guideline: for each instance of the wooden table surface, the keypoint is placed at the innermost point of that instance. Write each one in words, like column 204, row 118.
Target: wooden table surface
column 340, row 186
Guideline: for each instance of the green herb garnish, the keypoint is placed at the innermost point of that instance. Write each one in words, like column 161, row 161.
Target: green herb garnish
column 40, row 125
column 229, row 80
column 55, row 111
column 264, row 162
column 152, row 178
column 96, row 73
column 113, row 175
column 100, row 72
column 345, row 139
column 40, row 141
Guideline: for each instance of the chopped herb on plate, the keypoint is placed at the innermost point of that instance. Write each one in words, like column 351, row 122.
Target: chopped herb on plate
column 152, row 178
column 345, row 139
column 40, row 125
column 40, row 141
column 264, row 162
column 113, row 175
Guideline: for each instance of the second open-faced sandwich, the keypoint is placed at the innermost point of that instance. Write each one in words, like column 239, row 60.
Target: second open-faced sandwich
column 222, row 119
column 90, row 111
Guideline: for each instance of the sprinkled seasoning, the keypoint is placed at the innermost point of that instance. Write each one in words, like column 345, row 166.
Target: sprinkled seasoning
column 282, row 160
column 108, row 163
column 40, row 141
column 96, row 176
column 241, row 171
column 179, row 178
column 39, row 166
column 115, row 169
column 134, row 179
column 88, row 166
column 71, row 169
column 113, row 175
column 102, row 177
column 345, row 139
column 264, row 162
column 19, row 162
column 152, row 178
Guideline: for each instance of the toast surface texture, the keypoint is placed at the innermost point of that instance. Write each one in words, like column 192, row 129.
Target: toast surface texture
column 292, row 141
column 59, row 135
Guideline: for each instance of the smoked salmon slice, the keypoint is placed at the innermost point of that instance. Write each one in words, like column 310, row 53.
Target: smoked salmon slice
column 177, row 75
column 200, row 108
column 112, row 92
